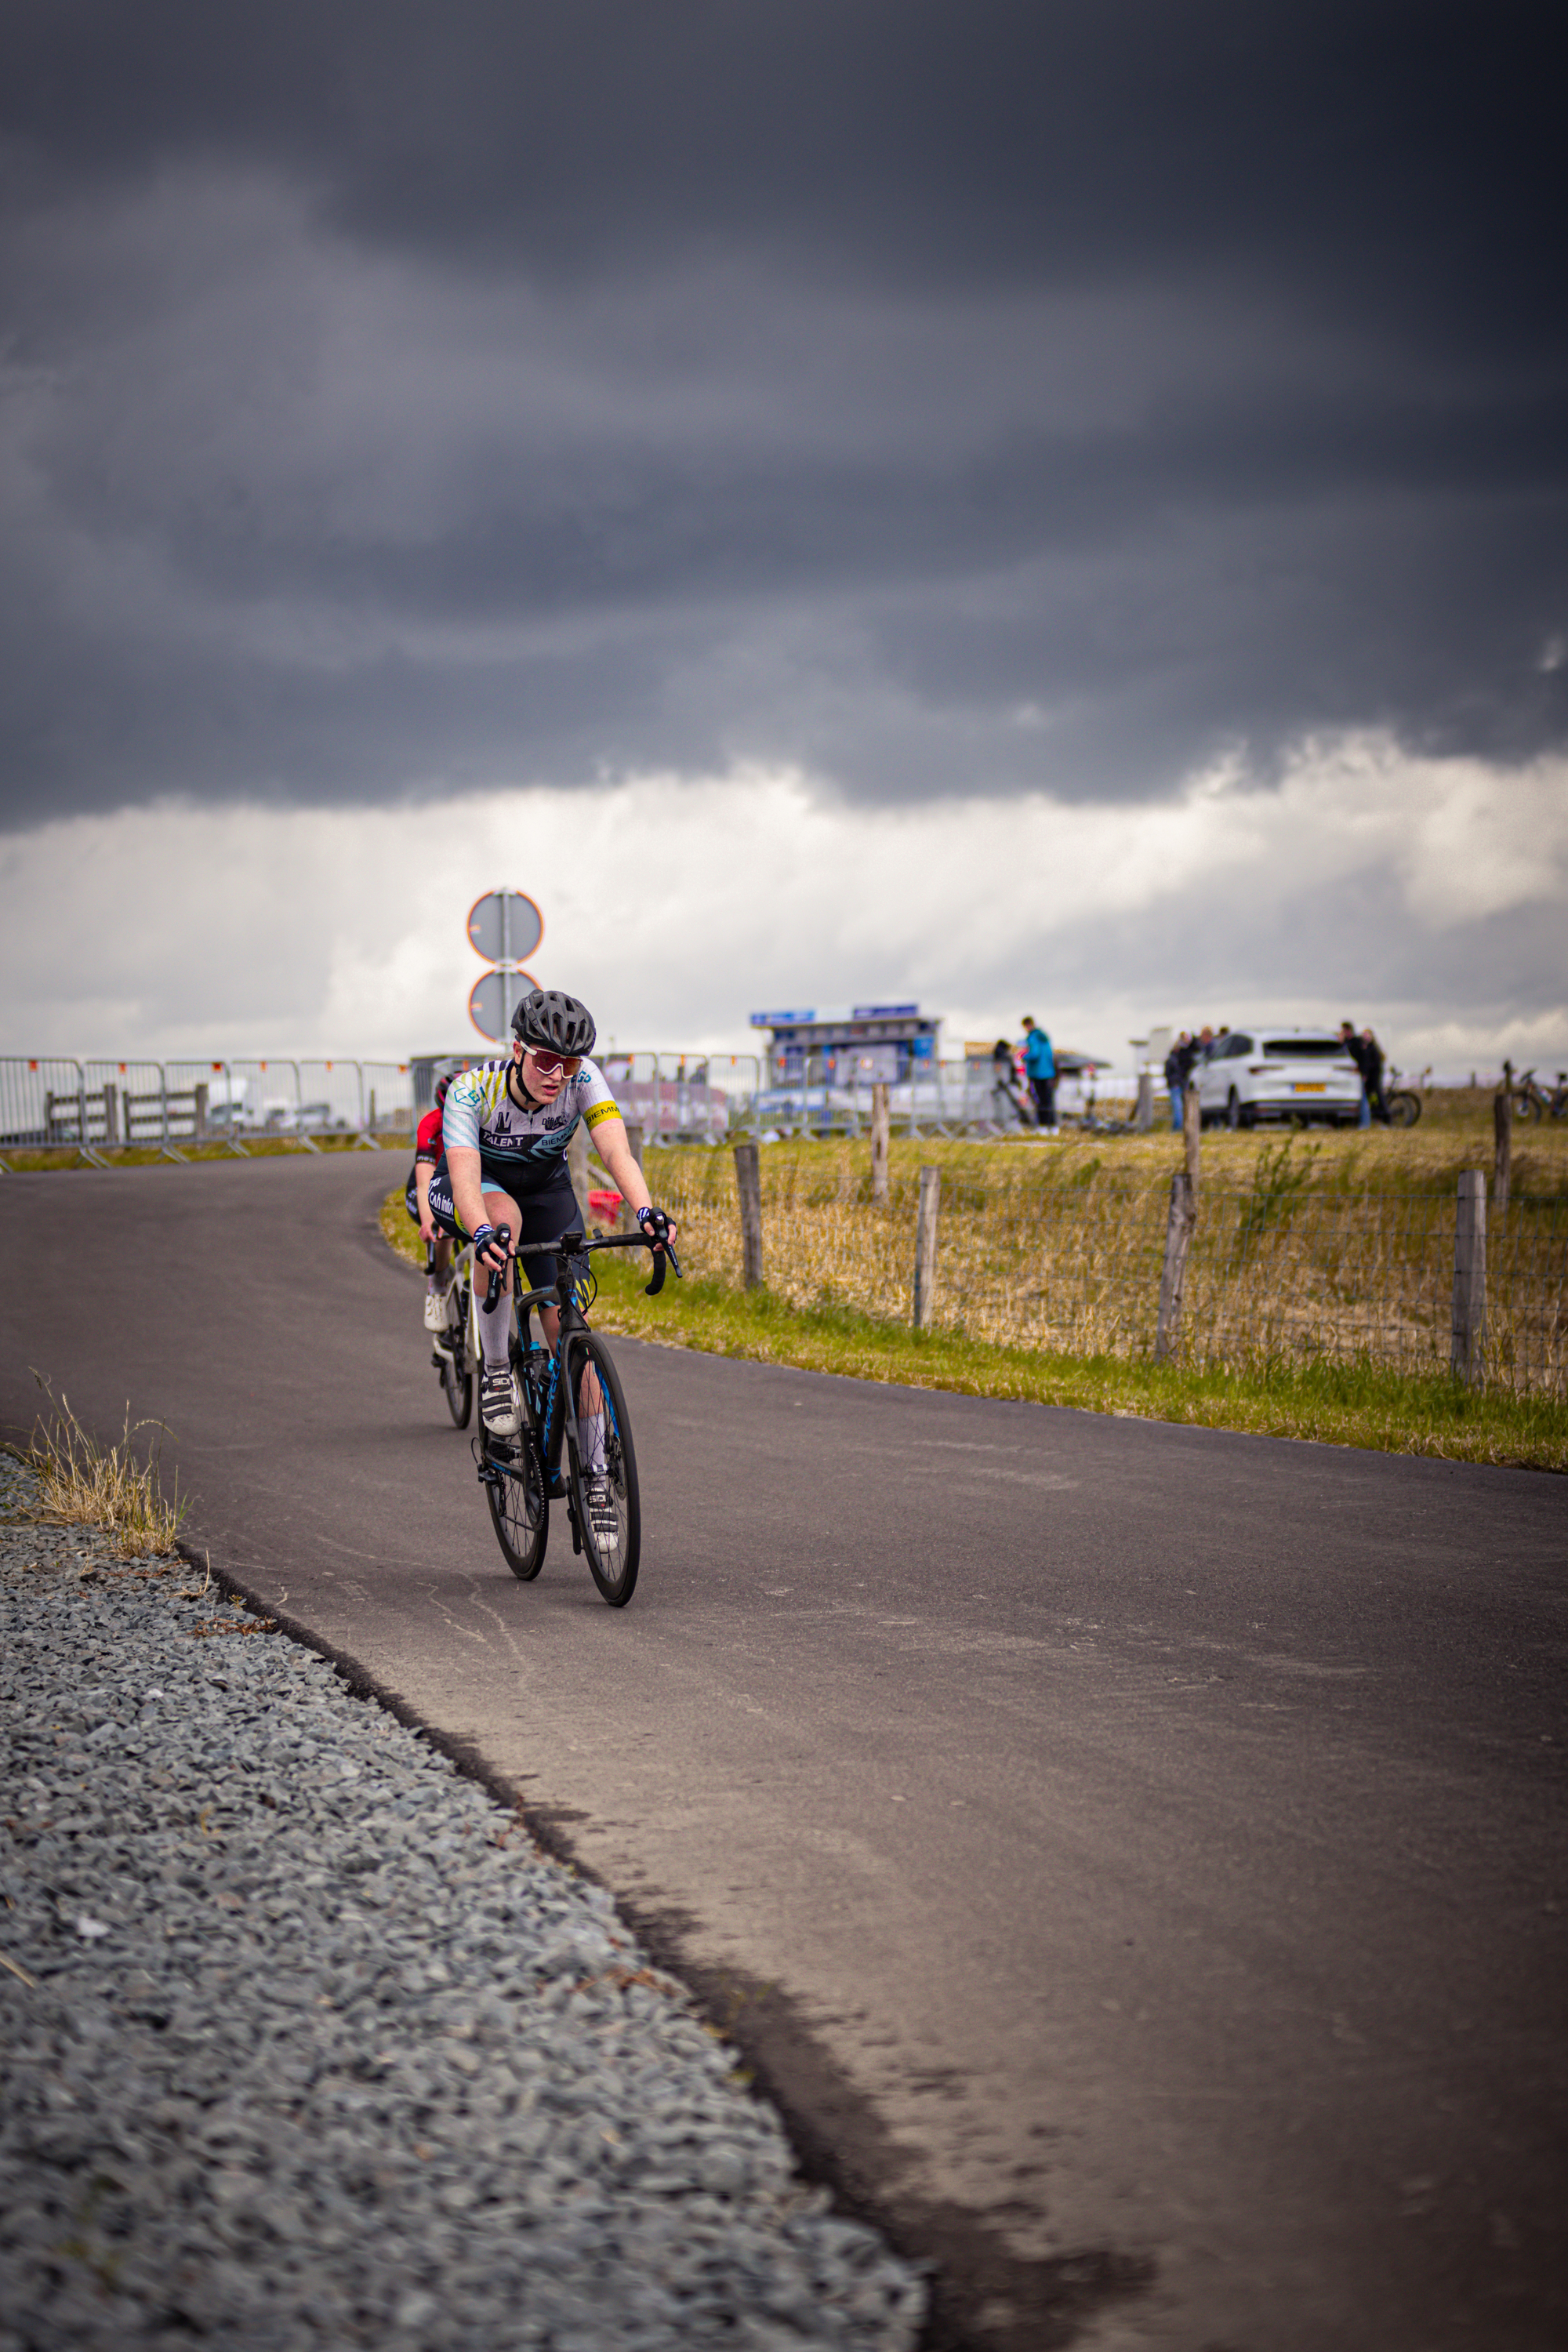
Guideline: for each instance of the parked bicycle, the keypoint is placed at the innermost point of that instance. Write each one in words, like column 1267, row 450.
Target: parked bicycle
column 1403, row 1104
column 522, row 1475
column 455, row 1350
column 1530, row 1099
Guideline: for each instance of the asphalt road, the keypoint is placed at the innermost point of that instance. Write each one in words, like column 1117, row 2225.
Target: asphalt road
column 1136, row 1855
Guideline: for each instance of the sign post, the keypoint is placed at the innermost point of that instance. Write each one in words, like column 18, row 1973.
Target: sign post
column 503, row 927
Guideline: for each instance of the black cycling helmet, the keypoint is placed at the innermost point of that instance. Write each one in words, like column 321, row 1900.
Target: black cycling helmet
column 557, row 1023
column 441, row 1086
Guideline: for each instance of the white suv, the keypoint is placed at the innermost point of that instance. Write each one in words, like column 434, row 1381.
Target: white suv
column 1267, row 1071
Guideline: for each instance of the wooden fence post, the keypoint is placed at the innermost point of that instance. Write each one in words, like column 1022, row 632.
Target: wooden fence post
column 1468, row 1356
column 1143, row 1116
column 880, row 1137
column 925, row 1246
column 1502, row 1133
column 749, row 1187
column 1192, row 1136
column 1179, row 1229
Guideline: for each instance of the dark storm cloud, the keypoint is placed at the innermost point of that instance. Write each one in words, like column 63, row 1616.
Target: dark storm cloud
column 946, row 396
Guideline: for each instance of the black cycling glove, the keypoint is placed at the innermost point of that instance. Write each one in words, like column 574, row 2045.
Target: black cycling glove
column 655, row 1224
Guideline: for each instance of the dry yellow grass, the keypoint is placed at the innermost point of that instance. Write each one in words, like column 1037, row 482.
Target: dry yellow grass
column 84, row 1486
column 1305, row 1247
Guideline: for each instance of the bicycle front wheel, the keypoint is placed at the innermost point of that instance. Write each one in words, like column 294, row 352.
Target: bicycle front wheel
column 605, row 1504
column 519, row 1510
column 1404, row 1108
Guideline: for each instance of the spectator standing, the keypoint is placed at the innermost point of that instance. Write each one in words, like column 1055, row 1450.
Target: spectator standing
column 1357, row 1053
column 1041, row 1069
column 1371, row 1077
column 1007, row 1103
column 1178, row 1062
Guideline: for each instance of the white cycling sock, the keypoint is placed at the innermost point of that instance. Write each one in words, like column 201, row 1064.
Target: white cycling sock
column 591, row 1430
column 495, row 1331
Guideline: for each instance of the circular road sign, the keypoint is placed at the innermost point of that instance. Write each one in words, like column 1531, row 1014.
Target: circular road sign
column 494, row 998
column 504, row 926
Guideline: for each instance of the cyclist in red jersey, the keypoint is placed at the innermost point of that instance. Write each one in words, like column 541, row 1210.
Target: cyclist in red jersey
column 417, row 1199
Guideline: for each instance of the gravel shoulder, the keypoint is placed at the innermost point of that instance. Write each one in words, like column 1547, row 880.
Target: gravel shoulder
column 304, row 2041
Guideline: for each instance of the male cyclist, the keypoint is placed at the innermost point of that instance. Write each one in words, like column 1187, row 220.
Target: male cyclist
column 505, row 1127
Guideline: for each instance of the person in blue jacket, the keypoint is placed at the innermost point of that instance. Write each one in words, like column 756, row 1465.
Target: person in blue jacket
column 1041, row 1069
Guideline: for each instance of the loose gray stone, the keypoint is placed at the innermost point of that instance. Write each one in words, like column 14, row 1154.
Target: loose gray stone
column 319, row 2051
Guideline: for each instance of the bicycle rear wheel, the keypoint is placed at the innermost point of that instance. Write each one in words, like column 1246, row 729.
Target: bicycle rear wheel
column 457, row 1388
column 519, row 1510
column 609, row 1524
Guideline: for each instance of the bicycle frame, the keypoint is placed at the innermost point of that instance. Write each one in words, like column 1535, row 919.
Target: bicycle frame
column 544, row 1389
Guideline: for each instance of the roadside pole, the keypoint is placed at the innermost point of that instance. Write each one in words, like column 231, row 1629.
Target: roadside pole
column 749, row 1189
column 879, row 1140
column 1179, row 1226
column 1468, row 1357
column 925, row 1246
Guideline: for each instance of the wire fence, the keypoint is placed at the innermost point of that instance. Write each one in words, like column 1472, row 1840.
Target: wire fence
column 1275, row 1269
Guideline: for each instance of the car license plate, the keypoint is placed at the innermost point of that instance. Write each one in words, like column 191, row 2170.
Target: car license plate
column 1310, row 1086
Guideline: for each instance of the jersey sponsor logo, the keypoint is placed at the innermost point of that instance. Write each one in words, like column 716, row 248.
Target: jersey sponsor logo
column 516, row 1139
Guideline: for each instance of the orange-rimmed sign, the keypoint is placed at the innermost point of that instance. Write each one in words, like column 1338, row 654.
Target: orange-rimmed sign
column 504, row 926
column 495, row 998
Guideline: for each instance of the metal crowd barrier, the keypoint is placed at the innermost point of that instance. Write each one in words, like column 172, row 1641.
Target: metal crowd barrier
column 90, row 1109
column 94, row 1107
column 948, row 1098
column 692, row 1096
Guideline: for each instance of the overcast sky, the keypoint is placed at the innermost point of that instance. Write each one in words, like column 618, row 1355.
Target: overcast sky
column 1030, row 507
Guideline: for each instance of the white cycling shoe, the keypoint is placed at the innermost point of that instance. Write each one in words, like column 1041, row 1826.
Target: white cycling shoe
column 501, row 1406
column 437, row 1309
column 603, row 1517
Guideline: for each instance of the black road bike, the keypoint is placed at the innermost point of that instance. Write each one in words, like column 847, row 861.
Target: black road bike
column 1403, row 1104
column 1530, row 1099
column 547, row 1461
column 455, row 1352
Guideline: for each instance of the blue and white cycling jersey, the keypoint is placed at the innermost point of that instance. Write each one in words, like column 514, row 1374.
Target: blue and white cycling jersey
column 521, row 1147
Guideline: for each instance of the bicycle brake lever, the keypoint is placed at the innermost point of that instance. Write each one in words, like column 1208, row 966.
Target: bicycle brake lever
column 502, row 1234
column 663, row 1258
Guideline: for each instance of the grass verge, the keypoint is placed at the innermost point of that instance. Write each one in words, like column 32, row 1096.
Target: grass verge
column 1330, row 1402
column 83, row 1485
column 65, row 1159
